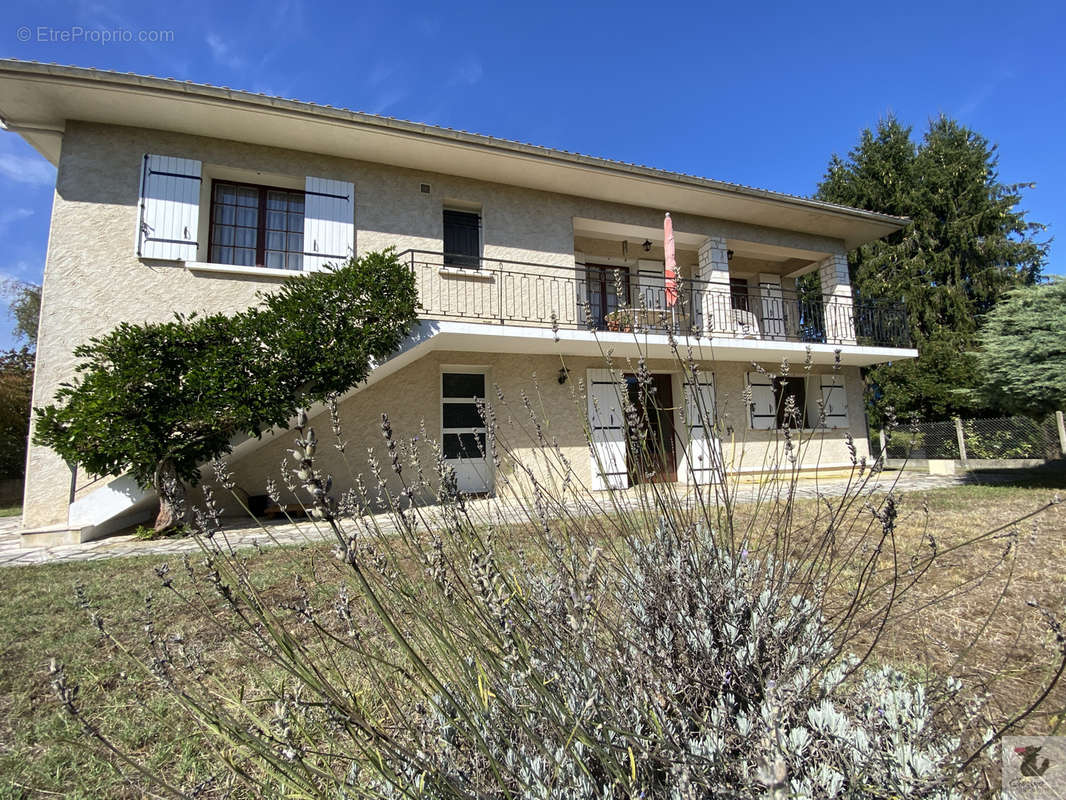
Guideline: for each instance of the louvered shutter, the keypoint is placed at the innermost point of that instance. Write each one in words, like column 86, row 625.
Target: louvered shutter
column 608, row 433
column 763, row 402
column 835, row 398
column 329, row 222
column 169, row 218
column 704, row 451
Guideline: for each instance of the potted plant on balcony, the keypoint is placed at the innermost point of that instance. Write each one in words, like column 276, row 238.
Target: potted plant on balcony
column 620, row 321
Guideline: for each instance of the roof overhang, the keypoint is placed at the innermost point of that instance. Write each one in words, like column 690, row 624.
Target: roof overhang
column 37, row 100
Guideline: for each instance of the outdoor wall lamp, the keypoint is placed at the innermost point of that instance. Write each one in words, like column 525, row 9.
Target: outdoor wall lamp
column 564, row 373
column 646, row 246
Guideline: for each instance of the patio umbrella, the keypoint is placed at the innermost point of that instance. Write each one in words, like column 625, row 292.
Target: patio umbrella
column 671, row 261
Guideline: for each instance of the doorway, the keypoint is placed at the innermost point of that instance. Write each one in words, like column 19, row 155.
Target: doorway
column 655, row 459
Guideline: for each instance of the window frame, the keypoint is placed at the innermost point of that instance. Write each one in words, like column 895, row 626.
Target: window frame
column 779, row 384
column 465, row 261
column 261, row 216
column 596, row 278
column 481, row 430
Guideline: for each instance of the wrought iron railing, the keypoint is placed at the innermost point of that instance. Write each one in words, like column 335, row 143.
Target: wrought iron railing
column 533, row 294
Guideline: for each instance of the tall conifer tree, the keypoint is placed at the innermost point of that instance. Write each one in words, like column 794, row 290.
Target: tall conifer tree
column 968, row 243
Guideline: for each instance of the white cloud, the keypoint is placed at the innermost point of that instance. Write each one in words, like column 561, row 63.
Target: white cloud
column 27, row 169
column 223, row 53
column 467, row 72
column 9, row 216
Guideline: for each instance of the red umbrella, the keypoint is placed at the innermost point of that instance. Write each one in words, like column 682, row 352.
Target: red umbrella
column 671, row 261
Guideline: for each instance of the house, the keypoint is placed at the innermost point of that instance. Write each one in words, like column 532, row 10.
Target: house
column 173, row 196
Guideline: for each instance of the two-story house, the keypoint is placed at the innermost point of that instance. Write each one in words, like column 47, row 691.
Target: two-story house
column 174, row 196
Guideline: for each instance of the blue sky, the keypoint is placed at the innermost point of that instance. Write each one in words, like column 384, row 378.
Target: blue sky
column 759, row 94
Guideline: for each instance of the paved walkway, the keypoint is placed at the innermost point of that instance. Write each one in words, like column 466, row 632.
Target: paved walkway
column 284, row 533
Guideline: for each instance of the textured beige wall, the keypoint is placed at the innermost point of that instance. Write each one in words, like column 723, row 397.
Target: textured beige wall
column 411, row 398
column 93, row 280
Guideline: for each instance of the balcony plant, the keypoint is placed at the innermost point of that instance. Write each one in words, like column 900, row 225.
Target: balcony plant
column 620, row 321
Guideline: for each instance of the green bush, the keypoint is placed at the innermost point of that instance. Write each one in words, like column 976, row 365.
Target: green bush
column 158, row 400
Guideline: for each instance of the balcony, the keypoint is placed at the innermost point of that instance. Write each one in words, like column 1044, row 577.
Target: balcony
column 528, row 294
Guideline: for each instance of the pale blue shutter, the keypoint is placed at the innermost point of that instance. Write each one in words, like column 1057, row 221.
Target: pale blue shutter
column 169, row 217
column 329, row 222
column 607, row 430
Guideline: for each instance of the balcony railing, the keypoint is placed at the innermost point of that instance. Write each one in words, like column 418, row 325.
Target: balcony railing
column 531, row 294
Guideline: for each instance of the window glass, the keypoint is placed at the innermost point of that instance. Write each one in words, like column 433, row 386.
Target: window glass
column 463, row 385
column 462, row 238
column 795, row 388
column 738, row 294
column 462, row 415
column 464, row 445
column 256, row 226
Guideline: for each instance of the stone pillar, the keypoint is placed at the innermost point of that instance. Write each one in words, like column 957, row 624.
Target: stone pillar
column 839, row 306
column 711, row 297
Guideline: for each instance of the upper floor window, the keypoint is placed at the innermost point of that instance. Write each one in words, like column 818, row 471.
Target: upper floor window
column 256, row 226
column 462, row 239
column 738, row 294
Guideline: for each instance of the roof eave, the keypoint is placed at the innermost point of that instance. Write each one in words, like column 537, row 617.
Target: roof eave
column 27, row 112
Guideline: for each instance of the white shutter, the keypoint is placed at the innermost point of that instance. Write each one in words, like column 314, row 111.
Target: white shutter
column 329, row 222
column 608, row 432
column 835, row 398
column 773, row 306
column 168, row 222
column 763, row 402
column 704, row 451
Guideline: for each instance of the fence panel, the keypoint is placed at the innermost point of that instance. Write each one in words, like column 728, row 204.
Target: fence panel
column 1011, row 437
column 924, row 440
column 1000, row 438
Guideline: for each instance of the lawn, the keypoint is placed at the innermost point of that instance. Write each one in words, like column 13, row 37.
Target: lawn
column 43, row 753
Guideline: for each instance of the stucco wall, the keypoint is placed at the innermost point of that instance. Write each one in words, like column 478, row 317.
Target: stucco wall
column 411, row 398
column 93, row 279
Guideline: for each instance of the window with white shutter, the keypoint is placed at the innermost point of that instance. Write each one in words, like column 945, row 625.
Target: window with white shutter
column 608, row 432
column 835, row 399
column 704, row 452
column 169, row 215
column 763, row 407
column 329, row 222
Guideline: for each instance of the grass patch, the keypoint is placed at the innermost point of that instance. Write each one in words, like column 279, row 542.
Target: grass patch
column 43, row 752
column 11, row 511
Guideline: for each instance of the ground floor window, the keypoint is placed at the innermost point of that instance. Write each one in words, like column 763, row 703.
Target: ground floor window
column 463, row 432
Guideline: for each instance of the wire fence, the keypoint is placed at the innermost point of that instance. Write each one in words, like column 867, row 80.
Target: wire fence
column 1000, row 438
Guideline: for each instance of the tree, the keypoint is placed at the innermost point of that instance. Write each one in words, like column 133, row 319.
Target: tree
column 25, row 306
column 1023, row 351
column 16, row 377
column 967, row 245
column 16, row 390
column 158, row 400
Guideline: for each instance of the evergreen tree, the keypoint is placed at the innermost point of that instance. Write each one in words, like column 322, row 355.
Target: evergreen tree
column 1023, row 351
column 967, row 244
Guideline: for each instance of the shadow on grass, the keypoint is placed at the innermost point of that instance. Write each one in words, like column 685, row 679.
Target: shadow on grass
column 1051, row 475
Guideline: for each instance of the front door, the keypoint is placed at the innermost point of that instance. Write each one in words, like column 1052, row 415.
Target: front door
column 653, row 459
column 463, row 430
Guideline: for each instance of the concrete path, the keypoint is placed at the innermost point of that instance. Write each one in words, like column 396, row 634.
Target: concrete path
column 284, row 533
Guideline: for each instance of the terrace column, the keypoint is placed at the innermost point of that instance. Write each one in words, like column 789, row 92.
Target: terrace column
column 839, row 306
column 711, row 295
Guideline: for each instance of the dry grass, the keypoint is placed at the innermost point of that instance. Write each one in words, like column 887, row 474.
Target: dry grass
column 43, row 755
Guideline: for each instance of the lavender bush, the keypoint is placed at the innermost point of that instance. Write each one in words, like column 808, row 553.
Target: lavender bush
column 554, row 642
